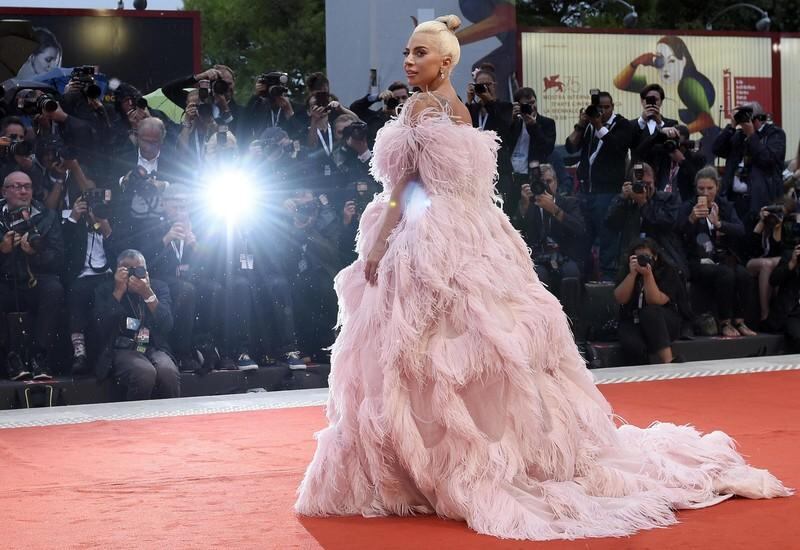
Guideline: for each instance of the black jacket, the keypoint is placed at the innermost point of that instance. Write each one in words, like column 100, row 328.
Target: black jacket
column 726, row 240
column 542, row 137
column 649, row 148
column 258, row 116
column 175, row 92
column 763, row 156
column 607, row 173
column 76, row 241
column 375, row 119
column 787, row 282
column 48, row 261
column 657, row 218
column 110, row 316
column 537, row 225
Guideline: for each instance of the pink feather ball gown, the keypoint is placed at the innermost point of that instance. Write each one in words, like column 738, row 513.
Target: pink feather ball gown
column 456, row 387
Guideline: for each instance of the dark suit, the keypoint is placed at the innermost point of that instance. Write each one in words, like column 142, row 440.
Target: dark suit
column 649, row 148
column 763, row 155
column 144, row 375
column 499, row 120
column 176, row 93
column 542, row 137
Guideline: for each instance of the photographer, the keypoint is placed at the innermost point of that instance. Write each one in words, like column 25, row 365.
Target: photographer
column 532, row 136
column 639, row 210
column 314, row 234
column 351, row 154
column 648, row 296
column 128, row 110
column 357, row 197
column 393, row 99
column 74, row 137
column 215, row 88
column 766, row 249
column 31, row 256
column 784, row 315
column 488, row 113
column 90, row 252
column 754, row 151
column 685, row 162
column 269, row 106
column 17, row 154
column 649, row 133
column 602, row 137
column 134, row 320
column 710, row 227
column 324, row 134
column 553, row 227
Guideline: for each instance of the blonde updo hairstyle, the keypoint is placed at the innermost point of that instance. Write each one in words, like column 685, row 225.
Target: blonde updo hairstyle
column 444, row 30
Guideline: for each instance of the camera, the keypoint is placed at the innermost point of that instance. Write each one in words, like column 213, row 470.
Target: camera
column 139, row 272
column 644, row 260
column 17, row 147
column 535, row 179
column 32, row 106
column 594, row 94
column 203, row 87
column 355, row 130
column 526, row 108
column 638, row 179
column 141, row 103
column 322, row 99
column 84, row 75
column 19, row 222
column 220, row 87
column 743, row 115
column 481, row 89
column 275, row 83
column 392, row 103
column 650, row 100
column 97, row 200
column 53, row 146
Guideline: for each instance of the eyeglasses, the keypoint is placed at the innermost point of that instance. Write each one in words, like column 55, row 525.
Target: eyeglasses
column 19, row 186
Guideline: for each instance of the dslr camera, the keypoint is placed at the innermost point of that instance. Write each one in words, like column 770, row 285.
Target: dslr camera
column 29, row 104
column 84, row 75
column 54, row 147
column 644, row 260
column 481, row 89
column 275, row 82
column 638, row 179
column 139, row 272
column 592, row 111
column 16, row 147
column 97, row 200
column 743, row 115
column 392, row 104
column 19, row 222
column 535, row 179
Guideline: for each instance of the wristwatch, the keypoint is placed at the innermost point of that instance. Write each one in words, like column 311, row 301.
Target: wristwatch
column 151, row 299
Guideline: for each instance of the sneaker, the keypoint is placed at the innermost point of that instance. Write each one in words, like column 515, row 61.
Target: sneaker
column 295, row 360
column 39, row 368
column 80, row 365
column 17, row 370
column 245, row 363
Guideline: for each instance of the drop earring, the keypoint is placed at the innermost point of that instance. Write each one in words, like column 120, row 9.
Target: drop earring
column 441, row 74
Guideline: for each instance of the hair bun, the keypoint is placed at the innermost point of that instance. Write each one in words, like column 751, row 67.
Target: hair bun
column 451, row 21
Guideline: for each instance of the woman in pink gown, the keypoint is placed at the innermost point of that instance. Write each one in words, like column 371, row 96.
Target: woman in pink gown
column 456, row 387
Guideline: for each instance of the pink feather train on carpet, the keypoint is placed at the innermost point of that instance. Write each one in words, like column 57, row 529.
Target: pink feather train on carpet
column 456, row 387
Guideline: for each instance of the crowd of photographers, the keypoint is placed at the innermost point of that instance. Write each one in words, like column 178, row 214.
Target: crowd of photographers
column 139, row 240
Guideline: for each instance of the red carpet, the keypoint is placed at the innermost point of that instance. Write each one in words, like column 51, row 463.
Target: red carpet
column 228, row 480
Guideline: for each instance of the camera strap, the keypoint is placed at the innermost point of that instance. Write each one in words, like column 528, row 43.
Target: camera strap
column 329, row 146
column 276, row 118
column 483, row 117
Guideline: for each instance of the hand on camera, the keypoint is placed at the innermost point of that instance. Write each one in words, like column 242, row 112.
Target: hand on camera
column 546, row 202
column 120, row 282
column 140, row 286
column 652, row 112
column 208, row 74
column 79, row 209
column 635, row 269
column 176, row 233
column 386, row 95
column 671, row 133
column 25, row 245
column 470, row 92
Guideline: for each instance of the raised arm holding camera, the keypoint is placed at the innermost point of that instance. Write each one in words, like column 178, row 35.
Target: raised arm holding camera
column 269, row 107
column 754, row 150
column 392, row 100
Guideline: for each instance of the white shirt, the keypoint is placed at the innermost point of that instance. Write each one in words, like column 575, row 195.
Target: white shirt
column 149, row 165
column 652, row 125
column 601, row 133
column 519, row 158
column 95, row 253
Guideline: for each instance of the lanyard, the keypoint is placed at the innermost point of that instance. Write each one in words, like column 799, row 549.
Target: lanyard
column 329, row 146
column 482, row 118
column 275, row 118
column 178, row 250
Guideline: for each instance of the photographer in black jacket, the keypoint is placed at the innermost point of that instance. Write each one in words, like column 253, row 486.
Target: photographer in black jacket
column 269, row 107
column 90, row 256
column 710, row 227
column 602, row 137
column 552, row 226
column 648, row 295
column 392, row 100
column 31, row 255
column 134, row 320
column 754, row 150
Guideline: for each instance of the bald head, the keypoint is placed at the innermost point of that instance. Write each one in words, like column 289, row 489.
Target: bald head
column 18, row 190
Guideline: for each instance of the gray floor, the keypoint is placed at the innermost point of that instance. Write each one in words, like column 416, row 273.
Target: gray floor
column 305, row 398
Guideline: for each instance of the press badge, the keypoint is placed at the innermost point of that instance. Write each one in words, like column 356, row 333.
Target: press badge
column 142, row 339
column 132, row 324
column 246, row 261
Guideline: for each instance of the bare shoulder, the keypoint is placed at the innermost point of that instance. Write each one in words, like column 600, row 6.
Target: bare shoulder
column 431, row 102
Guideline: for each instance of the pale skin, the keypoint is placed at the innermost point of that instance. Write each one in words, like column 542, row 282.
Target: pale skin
column 424, row 64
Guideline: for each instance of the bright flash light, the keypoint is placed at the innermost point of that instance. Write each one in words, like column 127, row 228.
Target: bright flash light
column 231, row 194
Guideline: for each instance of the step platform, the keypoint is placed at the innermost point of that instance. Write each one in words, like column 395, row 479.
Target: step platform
column 701, row 348
column 68, row 390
